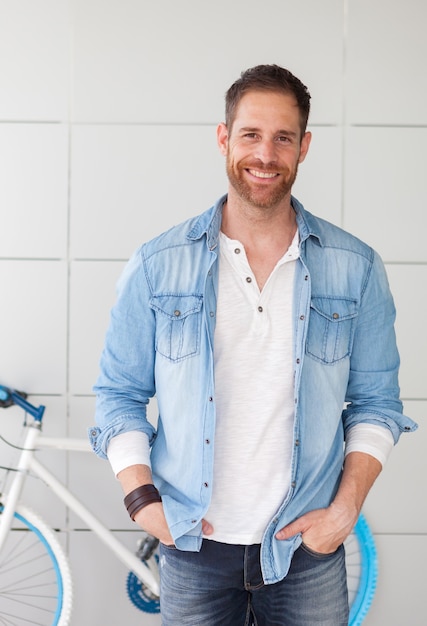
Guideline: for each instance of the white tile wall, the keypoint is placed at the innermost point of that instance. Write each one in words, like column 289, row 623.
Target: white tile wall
column 108, row 111
column 33, row 328
column 137, row 62
column 408, row 286
column 129, row 174
column 386, row 50
column 92, row 294
column 384, row 201
column 34, row 60
column 33, row 190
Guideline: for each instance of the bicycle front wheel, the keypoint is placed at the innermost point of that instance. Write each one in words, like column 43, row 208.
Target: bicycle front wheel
column 35, row 579
column 362, row 570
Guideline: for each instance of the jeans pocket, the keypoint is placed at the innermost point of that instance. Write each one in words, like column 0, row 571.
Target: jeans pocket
column 165, row 546
column 318, row 555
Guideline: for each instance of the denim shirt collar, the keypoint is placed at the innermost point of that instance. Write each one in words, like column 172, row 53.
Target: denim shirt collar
column 209, row 223
column 307, row 223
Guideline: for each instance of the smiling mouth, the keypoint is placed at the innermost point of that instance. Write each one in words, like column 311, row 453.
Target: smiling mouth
column 260, row 174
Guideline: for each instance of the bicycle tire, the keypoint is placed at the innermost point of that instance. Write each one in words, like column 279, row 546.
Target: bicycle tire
column 35, row 578
column 362, row 570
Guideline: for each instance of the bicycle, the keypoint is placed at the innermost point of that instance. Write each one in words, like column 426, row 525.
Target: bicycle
column 35, row 576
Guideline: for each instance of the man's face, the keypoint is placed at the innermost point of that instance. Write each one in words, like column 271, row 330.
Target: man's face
column 263, row 148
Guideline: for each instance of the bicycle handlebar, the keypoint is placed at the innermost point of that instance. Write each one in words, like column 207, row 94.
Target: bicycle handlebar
column 8, row 397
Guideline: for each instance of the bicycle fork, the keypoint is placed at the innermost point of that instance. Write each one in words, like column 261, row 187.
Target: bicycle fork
column 9, row 505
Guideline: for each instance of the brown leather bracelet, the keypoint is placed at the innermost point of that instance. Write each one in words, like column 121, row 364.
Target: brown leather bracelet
column 143, row 490
column 140, row 497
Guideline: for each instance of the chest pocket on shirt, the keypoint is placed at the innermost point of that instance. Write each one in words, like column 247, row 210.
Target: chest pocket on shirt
column 178, row 320
column 331, row 328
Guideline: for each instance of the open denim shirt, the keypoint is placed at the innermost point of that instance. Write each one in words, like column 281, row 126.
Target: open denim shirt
column 160, row 342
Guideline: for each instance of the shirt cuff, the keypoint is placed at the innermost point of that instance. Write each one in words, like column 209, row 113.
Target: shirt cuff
column 130, row 448
column 371, row 439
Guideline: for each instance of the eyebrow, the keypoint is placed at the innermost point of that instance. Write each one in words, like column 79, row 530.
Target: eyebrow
column 250, row 129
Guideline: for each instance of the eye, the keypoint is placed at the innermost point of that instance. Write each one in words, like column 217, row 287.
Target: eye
column 283, row 139
column 250, row 135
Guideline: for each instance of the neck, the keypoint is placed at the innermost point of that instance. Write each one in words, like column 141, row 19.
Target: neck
column 265, row 234
column 250, row 224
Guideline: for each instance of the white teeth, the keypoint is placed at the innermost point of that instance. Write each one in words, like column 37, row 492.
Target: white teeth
column 259, row 174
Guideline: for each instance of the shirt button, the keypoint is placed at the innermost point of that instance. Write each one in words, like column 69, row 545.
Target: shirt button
column 177, row 313
column 248, row 279
column 207, row 441
column 302, row 317
column 212, row 314
column 260, row 309
column 335, row 316
column 298, row 361
column 205, row 484
column 236, row 250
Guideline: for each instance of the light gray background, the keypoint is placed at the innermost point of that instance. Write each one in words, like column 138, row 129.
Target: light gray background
column 108, row 111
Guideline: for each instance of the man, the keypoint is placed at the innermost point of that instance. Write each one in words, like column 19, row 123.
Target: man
column 254, row 324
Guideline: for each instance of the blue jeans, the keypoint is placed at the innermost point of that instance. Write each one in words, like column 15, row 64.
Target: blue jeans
column 222, row 585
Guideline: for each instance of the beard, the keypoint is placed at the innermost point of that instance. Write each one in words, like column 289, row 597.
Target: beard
column 260, row 195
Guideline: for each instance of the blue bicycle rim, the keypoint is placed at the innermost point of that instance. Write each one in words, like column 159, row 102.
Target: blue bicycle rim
column 368, row 573
column 58, row 576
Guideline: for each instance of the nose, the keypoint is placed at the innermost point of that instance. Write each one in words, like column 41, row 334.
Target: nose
column 266, row 151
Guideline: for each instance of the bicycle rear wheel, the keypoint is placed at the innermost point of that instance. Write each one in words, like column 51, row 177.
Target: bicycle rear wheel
column 35, row 579
column 362, row 570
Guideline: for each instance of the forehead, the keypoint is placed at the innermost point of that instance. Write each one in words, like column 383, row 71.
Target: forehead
column 266, row 108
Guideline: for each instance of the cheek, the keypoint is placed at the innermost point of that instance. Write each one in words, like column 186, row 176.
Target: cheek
column 231, row 158
column 237, row 156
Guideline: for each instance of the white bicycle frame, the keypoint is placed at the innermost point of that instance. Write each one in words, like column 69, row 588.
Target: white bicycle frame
column 146, row 571
column 361, row 558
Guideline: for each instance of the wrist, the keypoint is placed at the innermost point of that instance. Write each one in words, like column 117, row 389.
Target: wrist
column 344, row 514
column 141, row 497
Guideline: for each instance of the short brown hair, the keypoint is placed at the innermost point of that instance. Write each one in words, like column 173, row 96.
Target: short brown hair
column 267, row 78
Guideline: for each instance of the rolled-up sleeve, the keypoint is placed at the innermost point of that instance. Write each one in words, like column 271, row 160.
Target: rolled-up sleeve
column 126, row 380
column 373, row 394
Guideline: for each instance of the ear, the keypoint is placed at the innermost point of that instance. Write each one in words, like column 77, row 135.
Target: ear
column 222, row 138
column 305, row 144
